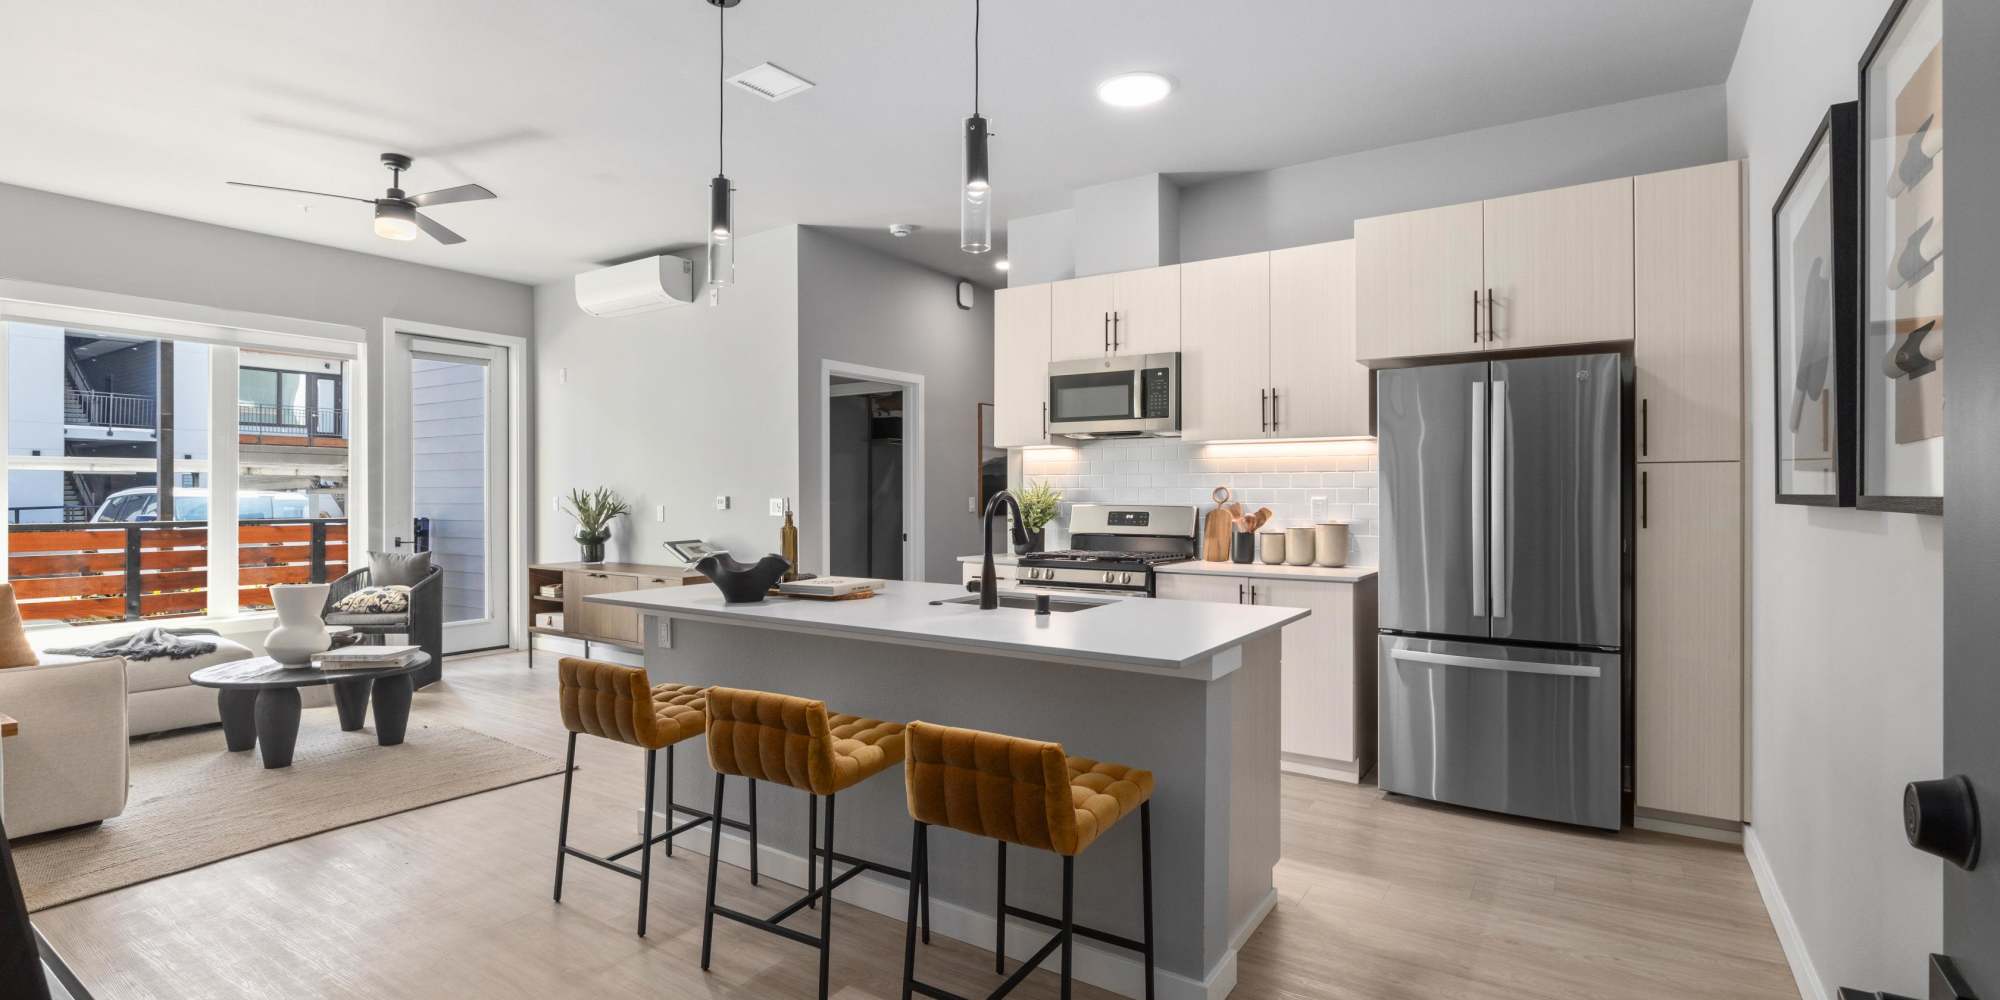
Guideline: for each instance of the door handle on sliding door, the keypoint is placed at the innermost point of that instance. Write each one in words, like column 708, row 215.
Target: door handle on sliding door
column 1496, row 474
column 1477, row 451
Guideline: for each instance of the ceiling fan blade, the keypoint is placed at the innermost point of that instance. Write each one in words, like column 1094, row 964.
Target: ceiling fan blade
column 438, row 232
column 447, row 196
column 317, row 194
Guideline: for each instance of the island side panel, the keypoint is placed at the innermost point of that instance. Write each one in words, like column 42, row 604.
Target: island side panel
column 1243, row 770
column 1157, row 722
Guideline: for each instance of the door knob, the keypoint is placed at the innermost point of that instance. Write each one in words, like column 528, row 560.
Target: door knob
column 1941, row 817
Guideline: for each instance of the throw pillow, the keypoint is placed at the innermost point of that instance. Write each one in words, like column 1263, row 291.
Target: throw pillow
column 387, row 569
column 14, row 648
column 375, row 601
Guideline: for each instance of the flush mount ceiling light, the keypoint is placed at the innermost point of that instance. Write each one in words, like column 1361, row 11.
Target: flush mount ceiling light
column 1134, row 90
column 975, row 203
column 395, row 220
column 721, row 209
column 771, row 82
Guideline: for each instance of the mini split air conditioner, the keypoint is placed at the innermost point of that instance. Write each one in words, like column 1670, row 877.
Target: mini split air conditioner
column 636, row 286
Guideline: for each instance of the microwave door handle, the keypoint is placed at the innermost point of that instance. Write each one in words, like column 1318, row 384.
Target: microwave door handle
column 1478, row 453
column 1496, row 470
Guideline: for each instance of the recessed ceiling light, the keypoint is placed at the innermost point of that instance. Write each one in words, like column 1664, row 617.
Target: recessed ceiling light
column 1000, row 265
column 1134, row 90
column 771, row 81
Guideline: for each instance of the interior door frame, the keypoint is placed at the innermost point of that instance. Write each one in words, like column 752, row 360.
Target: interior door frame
column 395, row 453
column 914, row 401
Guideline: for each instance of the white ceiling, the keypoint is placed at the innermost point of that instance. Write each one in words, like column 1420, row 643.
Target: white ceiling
column 594, row 120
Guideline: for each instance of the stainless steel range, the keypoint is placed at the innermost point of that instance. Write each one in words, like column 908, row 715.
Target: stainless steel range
column 1114, row 548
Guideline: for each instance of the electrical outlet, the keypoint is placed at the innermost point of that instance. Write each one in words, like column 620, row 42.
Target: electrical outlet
column 777, row 506
column 972, row 505
column 558, row 503
column 562, row 375
column 722, row 503
column 660, row 513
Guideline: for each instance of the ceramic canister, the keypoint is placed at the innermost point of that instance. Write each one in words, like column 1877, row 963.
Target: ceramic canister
column 1271, row 547
column 1330, row 544
column 1299, row 546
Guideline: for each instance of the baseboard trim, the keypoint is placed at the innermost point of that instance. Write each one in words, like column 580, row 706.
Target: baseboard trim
column 1721, row 834
column 1789, row 937
column 1107, row 968
column 1347, row 772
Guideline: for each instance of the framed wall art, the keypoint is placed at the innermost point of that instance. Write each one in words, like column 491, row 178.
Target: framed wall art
column 1813, row 328
column 1901, row 274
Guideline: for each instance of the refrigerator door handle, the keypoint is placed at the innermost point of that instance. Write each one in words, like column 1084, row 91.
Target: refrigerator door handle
column 1484, row 663
column 1479, row 472
column 1496, row 471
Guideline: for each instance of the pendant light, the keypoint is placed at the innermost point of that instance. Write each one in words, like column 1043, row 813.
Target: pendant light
column 975, row 203
column 721, row 214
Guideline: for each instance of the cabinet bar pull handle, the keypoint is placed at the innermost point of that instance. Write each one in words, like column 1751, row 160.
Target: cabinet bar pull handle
column 1107, row 333
column 1253, row 593
column 1645, row 425
column 1274, row 409
column 1116, row 320
column 1239, row 593
column 1645, row 504
column 1045, row 422
column 1475, row 315
column 1264, row 409
column 1492, row 332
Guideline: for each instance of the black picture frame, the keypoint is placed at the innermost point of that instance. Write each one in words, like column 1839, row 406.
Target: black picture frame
column 1836, row 139
column 1867, row 380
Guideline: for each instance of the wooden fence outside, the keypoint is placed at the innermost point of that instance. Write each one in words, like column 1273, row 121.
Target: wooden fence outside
column 160, row 569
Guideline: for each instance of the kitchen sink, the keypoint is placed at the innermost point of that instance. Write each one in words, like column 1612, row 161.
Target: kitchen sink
column 1026, row 602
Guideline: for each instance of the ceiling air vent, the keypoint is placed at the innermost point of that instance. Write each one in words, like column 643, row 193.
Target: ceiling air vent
column 771, row 82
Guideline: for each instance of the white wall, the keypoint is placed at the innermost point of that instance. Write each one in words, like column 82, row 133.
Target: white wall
column 673, row 407
column 1319, row 201
column 34, row 414
column 1844, row 605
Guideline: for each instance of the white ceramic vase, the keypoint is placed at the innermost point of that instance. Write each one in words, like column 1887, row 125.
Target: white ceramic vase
column 301, row 630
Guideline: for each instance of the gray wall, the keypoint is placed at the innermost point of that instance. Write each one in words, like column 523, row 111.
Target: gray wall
column 1844, row 605
column 864, row 307
column 673, row 407
column 1319, row 201
column 1041, row 247
column 1971, row 684
column 85, row 244
column 1126, row 225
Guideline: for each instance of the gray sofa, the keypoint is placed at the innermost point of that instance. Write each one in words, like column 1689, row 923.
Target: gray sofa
column 423, row 623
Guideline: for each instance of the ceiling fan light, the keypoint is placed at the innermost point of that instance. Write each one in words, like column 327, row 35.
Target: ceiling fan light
column 395, row 221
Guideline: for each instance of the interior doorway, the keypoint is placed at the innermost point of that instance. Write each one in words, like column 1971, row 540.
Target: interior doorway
column 871, row 472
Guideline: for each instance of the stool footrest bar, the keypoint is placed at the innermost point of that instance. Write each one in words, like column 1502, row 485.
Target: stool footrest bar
column 760, row 923
column 1081, row 931
column 1028, row 967
column 603, row 862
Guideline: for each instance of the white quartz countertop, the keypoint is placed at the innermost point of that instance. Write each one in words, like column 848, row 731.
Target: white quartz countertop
column 1155, row 636
column 1257, row 571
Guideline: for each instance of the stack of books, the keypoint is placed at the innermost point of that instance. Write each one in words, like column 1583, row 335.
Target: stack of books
column 366, row 657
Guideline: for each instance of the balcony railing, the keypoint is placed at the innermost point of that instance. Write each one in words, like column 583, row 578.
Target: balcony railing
column 91, row 408
column 269, row 418
column 159, row 569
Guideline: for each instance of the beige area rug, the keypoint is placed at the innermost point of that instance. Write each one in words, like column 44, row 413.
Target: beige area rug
column 194, row 803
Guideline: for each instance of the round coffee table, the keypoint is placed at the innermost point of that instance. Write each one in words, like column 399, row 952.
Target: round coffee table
column 259, row 701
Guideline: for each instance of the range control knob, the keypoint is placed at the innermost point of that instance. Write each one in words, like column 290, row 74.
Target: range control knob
column 1110, row 577
column 1941, row 817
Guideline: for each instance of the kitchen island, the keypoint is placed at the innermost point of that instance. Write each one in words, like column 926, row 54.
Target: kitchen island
column 1187, row 690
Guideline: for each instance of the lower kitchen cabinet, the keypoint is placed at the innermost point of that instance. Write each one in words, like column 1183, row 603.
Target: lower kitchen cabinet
column 1328, row 727
column 1688, row 648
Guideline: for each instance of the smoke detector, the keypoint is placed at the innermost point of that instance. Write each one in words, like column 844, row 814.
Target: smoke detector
column 902, row 229
column 771, row 82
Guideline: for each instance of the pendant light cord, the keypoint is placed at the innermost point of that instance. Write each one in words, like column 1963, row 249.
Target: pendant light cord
column 975, row 56
column 721, row 53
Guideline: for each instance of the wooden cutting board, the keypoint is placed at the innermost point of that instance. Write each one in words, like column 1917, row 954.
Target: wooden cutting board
column 1216, row 527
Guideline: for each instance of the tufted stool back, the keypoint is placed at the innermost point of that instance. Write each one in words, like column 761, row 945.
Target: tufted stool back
column 771, row 737
column 991, row 785
column 616, row 702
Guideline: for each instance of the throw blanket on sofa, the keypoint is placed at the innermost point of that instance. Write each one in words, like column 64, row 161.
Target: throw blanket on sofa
column 149, row 644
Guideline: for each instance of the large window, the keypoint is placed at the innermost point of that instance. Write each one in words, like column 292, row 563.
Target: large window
column 307, row 399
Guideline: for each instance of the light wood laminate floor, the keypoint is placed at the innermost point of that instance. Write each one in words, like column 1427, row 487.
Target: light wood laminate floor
column 1378, row 898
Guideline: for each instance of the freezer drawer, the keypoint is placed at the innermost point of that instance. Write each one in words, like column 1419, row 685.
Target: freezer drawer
column 1527, row 731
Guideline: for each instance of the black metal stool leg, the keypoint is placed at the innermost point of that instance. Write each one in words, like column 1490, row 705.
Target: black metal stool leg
column 753, row 831
column 670, row 800
column 1068, row 921
column 924, row 885
column 1146, row 884
column 562, row 825
column 919, row 845
column 826, row 912
column 714, row 851
column 1000, row 915
column 646, row 841
column 812, row 850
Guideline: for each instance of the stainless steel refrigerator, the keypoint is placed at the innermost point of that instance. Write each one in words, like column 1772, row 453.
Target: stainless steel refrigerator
column 1502, row 588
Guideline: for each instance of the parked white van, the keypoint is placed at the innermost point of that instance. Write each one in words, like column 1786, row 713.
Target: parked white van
column 142, row 503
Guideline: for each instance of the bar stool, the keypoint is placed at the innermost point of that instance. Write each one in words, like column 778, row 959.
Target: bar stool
column 614, row 702
column 794, row 742
column 1030, row 793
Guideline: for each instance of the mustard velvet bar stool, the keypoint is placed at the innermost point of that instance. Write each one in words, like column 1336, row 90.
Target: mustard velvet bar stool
column 615, row 702
column 792, row 741
column 1030, row 793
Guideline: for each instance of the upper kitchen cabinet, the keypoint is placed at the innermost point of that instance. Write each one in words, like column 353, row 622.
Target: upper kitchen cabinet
column 1106, row 315
column 1226, row 348
column 1419, row 279
column 1559, row 267
column 1318, row 389
column 1021, row 336
column 1688, row 343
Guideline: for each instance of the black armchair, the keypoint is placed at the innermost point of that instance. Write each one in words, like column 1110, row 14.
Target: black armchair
column 423, row 623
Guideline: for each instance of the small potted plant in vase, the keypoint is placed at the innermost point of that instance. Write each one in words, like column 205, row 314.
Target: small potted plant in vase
column 594, row 511
column 1039, row 505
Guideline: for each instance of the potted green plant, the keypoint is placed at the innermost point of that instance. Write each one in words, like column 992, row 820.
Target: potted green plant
column 594, row 511
column 1039, row 505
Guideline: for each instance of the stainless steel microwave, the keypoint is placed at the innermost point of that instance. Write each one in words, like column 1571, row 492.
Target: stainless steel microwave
column 1136, row 396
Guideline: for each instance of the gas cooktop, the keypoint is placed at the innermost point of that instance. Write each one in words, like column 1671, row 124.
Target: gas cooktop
column 1105, row 556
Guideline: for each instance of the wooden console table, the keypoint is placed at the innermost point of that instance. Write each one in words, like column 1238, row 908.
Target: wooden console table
column 594, row 623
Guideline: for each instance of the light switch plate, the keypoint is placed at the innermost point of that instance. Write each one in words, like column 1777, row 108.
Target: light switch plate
column 660, row 512
column 972, row 505
column 777, row 506
column 722, row 503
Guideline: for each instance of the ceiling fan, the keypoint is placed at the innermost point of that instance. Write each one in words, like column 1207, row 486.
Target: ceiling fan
column 396, row 215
